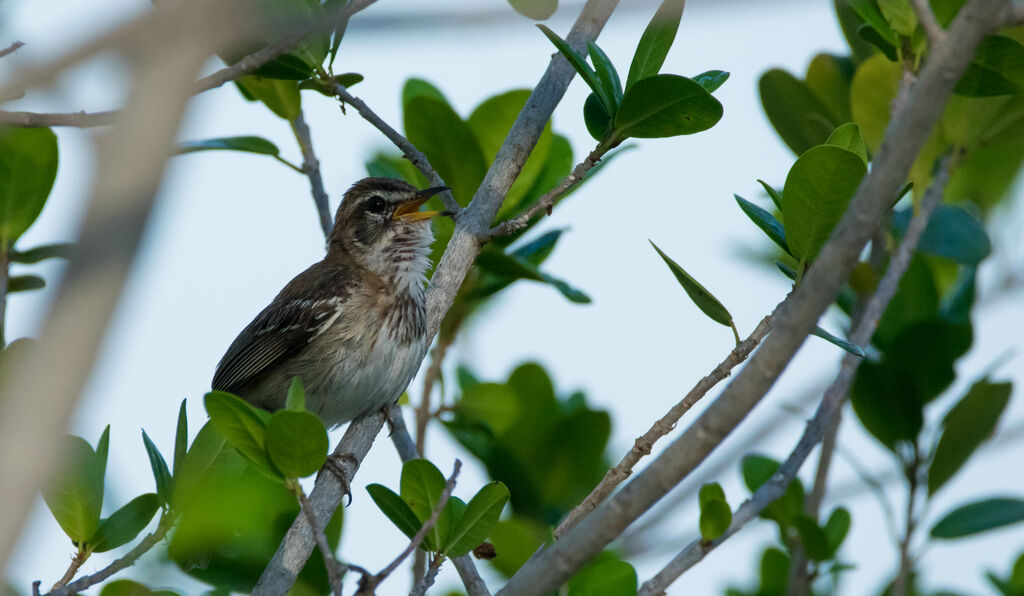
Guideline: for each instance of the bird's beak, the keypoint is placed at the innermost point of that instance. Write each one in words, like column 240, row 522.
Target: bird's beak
column 409, row 211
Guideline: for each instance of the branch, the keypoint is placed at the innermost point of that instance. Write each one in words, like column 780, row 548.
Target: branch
column 926, row 17
column 424, row 584
column 76, row 119
column 831, row 402
column 334, row 574
column 664, row 425
column 905, row 136
column 409, row 150
column 423, row 413
column 311, row 168
column 11, row 48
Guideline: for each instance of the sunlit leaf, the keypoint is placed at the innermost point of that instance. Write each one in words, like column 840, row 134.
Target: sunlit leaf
column 28, row 168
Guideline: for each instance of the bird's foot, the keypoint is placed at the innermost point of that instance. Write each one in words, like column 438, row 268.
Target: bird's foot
column 336, row 464
column 386, row 411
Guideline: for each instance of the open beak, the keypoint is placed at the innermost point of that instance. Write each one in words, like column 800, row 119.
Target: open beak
column 409, row 211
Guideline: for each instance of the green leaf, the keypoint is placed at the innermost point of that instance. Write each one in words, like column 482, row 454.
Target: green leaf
column 666, row 106
column 800, row 118
column 764, row 220
column 772, row 193
column 535, row 9
column 125, row 524
column 296, row 400
column 884, row 400
column 757, row 469
column 847, row 136
column 704, row 300
column 246, row 144
column 836, row 528
column 415, row 87
column 715, row 517
column 102, row 448
column 492, row 404
column 838, row 341
column 180, row 438
column 812, row 537
column 75, row 494
column 596, row 118
column 513, row 267
column 774, row 571
column 25, row 283
column 970, row 423
column 899, row 15
column 606, row 72
column 580, row 65
column 346, row 80
column 41, row 253
column 421, row 487
column 164, row 482
column 127, row 587
column 711, row 491
column 869, row 13
column 817, row 190
column 395, row 509
column 978, row 517
column 609, row 578
column 282, row 97
column 872, row 90
column 828, row 77
column 296, row 443
column 711, row 80
column 241, row 425
column 655, row 42
column 448, row 142
column 477, row 521
column 997, row 69
column 28, row 167
column 952, row 232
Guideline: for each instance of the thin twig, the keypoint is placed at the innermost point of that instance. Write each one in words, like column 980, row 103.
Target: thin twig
column 409, row 150
column 151, row 540
column 76, row 563
column 664, row 425
column 334, row 572
column 11, row 48
column 423, row 413
column 4, row 280
column 424, row 584
column 404, row 444
column 76, row 119
column 906, row 562
column 311, row 168
column 831, row 402
column 936, row 34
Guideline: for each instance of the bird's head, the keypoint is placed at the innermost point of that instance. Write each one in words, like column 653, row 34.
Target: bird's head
column 379, row 224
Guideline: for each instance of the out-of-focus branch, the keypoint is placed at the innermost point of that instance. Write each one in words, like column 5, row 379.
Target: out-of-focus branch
column 926, row 17
column 11, row 48
column 311, row 168
column 76, row 119
column 334, row 571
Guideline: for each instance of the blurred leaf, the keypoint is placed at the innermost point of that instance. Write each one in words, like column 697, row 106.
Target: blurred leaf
column 774, row 572
column 610, row 578
column 477, row 521
column 828, row 77
column 247, row 144
column 886, row 404
column 978, row 517
column 997, row 69
column 241, row 425
column 535, row 9
column 812, row 537
column 797, row 114
column 28, row 167
column 715, row 517
column 970, row 423
column 704, row 300
column 956, row 307
column 916, row 301
column 41, row 253
column 711, row 80
column 711, row 491
column 899, row 15
column 296, row 442
column 282, row 97
column 874, row 86
column 764, row 220
column 925, row 353
column 836, row 528
column 127, row 587
column 655, row 42
column 75, row 494
column 757, row 469
column 125, row 524
column 494, row 404
column 666, row 106
column 415, row 87
column 296, row 400
column 180, row 438
column 849, row 21
column 838, row 341
column 395, row 509
column 515, row 539
column 164, row 482
column 870, row 14
column 25, row 283
column 952, row 232
column 847, row 136
column 448, row 142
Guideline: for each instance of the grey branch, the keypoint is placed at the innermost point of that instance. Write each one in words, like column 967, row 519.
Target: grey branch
column 76, row 119
column 334, row 571
column 427, row 580
column 664, row 425
column 11, row 48
column 904, row 137
column 831, row 402
column 926, row 17
column 311, row 168
column 409, row 150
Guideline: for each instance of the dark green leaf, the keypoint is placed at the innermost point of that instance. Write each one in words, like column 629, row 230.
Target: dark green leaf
column 869, row 13
column 712, row 491
column 127, row 587
column 296, row 443
column 828, row 77
column 797, row 114
column 655, row 42
column 282, row 97
column 535, row 9
column 448, row 142
column 606, row 72
column 511, row 267
column 241, row 425
column 704, row 300
column 75, row 494
column 346, row 80
column 715, row 517
column 247, row 144
column 28, row 167
column 847, row 136
column 477, row 521
column 772, row 193
column 580, row 65
column 836, row 528
column 838, row 341
column 817, row 190
column 956, row 307
column 997, row 69
column 774, row 572
column 41, row 253
column 764, row 220
column 395, row 509
column 872, row 36
column 421, row 487
column 125, row 524
column 812, row 537
column 666, row 106
column 952, row 232
column 886, row 404
column 296, row 400
column 786, row 270
column 103, row 447
column 971, row 421
column 609, row 578
column 978, row 517
column 180, row 438
column 711, row 80
column 757, row 469
column 596, row 117
column 164, row 482
column 25, row 283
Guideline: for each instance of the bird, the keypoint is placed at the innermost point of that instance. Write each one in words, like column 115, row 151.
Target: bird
column 352, row 326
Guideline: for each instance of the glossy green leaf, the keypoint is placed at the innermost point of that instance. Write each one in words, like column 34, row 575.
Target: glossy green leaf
column 704, row 300
column 580, row 65
column 900, row 16
column 609, row 578
column 535, row 9
column 75, row 494
column 978, row 517
column 764, row 220
column 655, row 42
column 772, row 194
column 477, row 521
column 25, row 283
column 847, row 136
column 162, row 476
column 797, row 114
column 952, row 232
column 997, row 69
column 836, row 528
column 296, row 400
column 970, row 423
column 41, row 253
column 711, row 80
column 241, row 425
column 125, row 524
column 666, row 106
column 28, row 167
column 282, row 97
column 812, row 537
column 296, row 443
column 395, row 509
column 819, row 186
column 715, row 517
column 606, row 72
column 838, row 341
column 246, row 144
column 596, row 118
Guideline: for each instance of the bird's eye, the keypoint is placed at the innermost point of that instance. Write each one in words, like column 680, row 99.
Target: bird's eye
column 375, row 205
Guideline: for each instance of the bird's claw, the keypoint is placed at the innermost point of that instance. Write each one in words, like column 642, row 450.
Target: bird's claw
column 335, row 464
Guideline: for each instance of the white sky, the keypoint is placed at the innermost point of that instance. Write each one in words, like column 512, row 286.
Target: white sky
column 230, row 229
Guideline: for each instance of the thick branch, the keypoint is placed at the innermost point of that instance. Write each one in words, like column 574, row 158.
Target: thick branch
column 904, row 138
column 311, row 168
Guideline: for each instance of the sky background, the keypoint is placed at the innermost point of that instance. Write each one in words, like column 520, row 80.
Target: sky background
column 229, row 230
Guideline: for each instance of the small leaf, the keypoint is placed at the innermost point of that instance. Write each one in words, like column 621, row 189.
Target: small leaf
column 535, row 9
column 25, row 283
column 869, row 13
column 978, row 517
column 180, row 438
column 799, row 116
column 666, row 106
column 711, row 80
column 712, row 491
column 836, row 528
column 605, row 72
column 296, row 443
column 951, row 232
column 757, row 469
column 970, row 423
column 838, row 341
column 772, row 194
column 75, row 494
column 395, row 509
column 812, row 537
column 848, row 137
column 596, row 118
column 477, row 521
column 241, row 425
column 296, row 400
column 28, row 168
column 580, row 66
column 608, row 578
column 41, row 253
column 764, row 220
column 704, row 300
column 246, row 144
column 125, row 524
column 164, row 482
column 655, row 42
column 715, row 517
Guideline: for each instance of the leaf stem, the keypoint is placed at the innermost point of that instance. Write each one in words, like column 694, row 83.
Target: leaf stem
column 76, row 562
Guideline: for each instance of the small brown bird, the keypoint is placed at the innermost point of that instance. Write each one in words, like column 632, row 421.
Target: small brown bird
column 352, row 326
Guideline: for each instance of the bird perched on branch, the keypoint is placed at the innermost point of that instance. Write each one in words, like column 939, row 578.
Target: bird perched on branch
column 352, row 326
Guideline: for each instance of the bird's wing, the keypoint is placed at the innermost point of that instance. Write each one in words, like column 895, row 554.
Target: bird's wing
column 280, row 330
